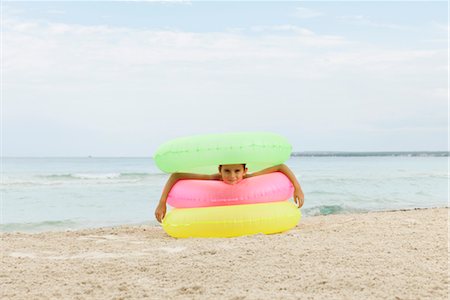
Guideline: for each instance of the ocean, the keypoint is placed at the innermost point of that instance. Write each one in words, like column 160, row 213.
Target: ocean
column 43, row 194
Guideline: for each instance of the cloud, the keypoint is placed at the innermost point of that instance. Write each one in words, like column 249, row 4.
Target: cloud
column 188, row 2
column 59, row 50
column 440, row 26
column 306, row 13
column 80, row 48
column 53, row 44
column 56, row 12
column 366, row 21
column 129, row 85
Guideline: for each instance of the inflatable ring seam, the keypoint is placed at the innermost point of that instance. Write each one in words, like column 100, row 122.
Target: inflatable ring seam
column 171, row 151
column 243, row 198
column 233, row 221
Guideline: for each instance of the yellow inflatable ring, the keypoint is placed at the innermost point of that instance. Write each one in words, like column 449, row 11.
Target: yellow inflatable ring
column 232, row 220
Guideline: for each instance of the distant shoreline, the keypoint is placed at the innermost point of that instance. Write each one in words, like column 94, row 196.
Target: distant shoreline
column 371, row 153
column 294, row 154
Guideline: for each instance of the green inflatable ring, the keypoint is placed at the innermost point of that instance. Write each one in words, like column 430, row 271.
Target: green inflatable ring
column 204, row 153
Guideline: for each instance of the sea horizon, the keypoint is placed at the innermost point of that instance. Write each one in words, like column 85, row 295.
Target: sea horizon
column 321, row 153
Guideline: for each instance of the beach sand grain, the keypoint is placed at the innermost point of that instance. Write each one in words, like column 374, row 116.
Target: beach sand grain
column 378, row 255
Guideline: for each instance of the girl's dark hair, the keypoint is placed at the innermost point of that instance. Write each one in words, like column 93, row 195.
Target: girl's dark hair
column 220, row 166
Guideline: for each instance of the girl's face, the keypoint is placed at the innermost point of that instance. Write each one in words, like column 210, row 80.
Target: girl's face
column 232, row 174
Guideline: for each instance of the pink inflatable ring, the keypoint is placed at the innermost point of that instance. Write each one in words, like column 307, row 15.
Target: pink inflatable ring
column 271, row 187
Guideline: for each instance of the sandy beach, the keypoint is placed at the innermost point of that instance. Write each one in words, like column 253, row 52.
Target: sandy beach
column 380, row 255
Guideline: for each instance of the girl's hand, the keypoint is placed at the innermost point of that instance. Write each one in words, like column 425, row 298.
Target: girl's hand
column 299, row 198
column 160, row 212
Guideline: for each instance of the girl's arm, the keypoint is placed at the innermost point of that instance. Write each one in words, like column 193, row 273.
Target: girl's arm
column 160, row 211
column 299, row 197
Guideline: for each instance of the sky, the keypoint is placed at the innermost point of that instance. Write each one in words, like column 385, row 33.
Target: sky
column 120, row 78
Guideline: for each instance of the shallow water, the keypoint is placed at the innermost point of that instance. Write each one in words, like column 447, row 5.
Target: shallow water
column 41, row 194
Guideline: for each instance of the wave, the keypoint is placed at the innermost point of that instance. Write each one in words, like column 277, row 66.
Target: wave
column 96, row 176
column 91, row 178
column 368, row 154
column 38, row 226
column 330, row 210
column 375, row 177
column 68, row 224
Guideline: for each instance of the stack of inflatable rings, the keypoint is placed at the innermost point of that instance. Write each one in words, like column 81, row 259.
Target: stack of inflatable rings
column 211, row 208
